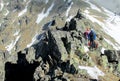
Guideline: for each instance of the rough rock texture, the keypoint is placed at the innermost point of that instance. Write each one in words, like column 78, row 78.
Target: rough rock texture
column 111, row 55
column 47, row 60
column 2, row 73
column 113, row 61
column 52, row 49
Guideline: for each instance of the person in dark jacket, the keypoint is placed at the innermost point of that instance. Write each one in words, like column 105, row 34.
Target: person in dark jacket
column 92, row 38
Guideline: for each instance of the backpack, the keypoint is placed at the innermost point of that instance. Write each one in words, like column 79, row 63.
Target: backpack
column 91, row 35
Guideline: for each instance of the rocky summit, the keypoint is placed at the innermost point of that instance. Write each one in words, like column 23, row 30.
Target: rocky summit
column 44, row 40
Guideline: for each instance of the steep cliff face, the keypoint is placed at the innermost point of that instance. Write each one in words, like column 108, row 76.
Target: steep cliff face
column 43, row 40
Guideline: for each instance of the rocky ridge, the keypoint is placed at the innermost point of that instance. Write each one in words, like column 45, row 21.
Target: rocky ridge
column 57, row 53
column 56, row 57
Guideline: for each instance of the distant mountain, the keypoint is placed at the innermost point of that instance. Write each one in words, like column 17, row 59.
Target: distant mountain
column 112, row 5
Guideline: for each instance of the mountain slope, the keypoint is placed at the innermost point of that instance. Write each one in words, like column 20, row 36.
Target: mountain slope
column 42, row 40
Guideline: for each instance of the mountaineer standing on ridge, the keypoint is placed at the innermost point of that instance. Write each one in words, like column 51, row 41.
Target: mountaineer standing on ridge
column 92, row 37
column 86, row 34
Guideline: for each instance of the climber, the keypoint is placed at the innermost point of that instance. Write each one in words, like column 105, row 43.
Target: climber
column 92, row 37
column 86, row 33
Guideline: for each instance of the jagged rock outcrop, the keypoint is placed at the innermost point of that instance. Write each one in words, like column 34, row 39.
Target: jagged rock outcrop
column 79, row 15
column 48, row 59
column 112, row 61
column 112, row 55
column 53, row 48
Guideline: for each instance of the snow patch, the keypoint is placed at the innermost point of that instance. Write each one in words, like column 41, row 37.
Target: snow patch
column 16, row 33
column 114, row 46
column 50, row 24
column 94, row 72
column 12, row 44
column 102, row 50
column 7, row 3
column 36, row 38
column 109, row 13
column 33, row 40
column 47, row 25
column 112, row 25
column 91, row 17
column 2, row 5
column 113, row 30
column 25, row 10
column 86, row 11
column 42, row 15
column 69, row 18
column 86, row 49
column 93, row 6
column 22, row 12
column 67, row 12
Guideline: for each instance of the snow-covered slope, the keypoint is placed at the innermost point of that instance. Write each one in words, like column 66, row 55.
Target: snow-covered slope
column 94, row 72
column 110, row 24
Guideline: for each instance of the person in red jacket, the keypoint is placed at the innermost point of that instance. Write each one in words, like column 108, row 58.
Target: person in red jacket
column 86, row 33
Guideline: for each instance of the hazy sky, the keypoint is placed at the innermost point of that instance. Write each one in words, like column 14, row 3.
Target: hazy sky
column 113, row 5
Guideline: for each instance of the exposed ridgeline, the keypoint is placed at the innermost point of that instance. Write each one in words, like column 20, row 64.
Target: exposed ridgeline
column 58, row 55
column 50, row 59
